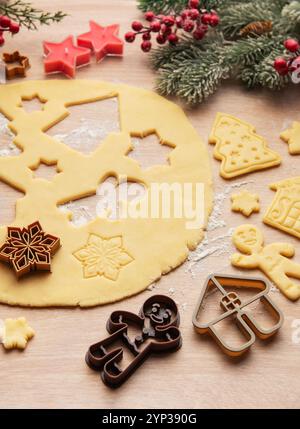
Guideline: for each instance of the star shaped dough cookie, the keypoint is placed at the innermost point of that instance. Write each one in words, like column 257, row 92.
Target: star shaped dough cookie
column 292, row 137
column 16, row 333
column 245, row 203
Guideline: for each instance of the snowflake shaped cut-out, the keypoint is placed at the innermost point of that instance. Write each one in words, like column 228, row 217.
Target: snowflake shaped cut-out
column 103, row 257
column 245, row 203
column 29, row 249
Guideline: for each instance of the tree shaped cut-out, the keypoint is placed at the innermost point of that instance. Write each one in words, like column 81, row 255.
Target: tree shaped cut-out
column 7, row 146
column 88, row 125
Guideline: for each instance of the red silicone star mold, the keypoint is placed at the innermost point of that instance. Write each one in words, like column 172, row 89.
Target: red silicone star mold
column 29, row 249
column 64, row 57
column 102, row 40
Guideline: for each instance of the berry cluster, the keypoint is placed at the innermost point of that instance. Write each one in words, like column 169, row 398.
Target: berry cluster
column 6, row 24
column 166, row 27
column 284, row 66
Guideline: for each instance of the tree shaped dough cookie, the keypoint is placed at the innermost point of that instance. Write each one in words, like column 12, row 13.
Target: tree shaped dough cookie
column 16, row 333
column 272, row 259
column 239, row 148
column 245, row 203
column 292, row 137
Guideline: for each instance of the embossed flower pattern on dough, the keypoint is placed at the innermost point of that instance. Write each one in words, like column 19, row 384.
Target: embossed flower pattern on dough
column 103, row 257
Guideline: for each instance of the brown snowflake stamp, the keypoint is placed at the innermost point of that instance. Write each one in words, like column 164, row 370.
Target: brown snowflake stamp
column 29, row 249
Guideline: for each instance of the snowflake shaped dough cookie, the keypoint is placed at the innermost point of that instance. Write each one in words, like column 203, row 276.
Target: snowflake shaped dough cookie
column 103, row 257
column 29, row 249
column 16, row 333
column 245, row 203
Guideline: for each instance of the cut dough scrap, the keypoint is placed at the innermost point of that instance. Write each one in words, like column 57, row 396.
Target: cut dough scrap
column 292, row 137
column 139, row 250
column 17, row 333
column 284, row 211
column 239, row 148
column 245, row 203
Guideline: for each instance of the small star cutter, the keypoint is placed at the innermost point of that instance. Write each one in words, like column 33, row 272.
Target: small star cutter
column 19, row 69
column 233, row 306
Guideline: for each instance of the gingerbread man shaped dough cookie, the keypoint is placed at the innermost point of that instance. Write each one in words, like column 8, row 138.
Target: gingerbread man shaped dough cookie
column 271, row 259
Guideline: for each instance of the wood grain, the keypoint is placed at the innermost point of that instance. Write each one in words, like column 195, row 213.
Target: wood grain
column 52, row 372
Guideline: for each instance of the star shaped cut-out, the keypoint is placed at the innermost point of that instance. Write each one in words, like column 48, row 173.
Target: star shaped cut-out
column 64, row 57
column 103, row 257
column 292, row 137
column 16, row 333
column 102, row 40
column 245, row 203
column 29, row 249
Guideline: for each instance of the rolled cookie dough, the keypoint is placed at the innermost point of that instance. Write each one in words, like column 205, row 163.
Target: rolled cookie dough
column 129, row 253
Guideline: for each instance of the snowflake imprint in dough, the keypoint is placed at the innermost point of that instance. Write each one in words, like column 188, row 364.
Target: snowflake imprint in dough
column 103, row 257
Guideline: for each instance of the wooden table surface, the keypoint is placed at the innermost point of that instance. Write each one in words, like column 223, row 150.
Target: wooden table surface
column 52, row 372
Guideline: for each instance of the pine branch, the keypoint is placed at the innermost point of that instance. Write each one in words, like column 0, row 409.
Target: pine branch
column 254, row 49
column 167, row 6
column 290, row 22
column 193, row 75
column 162, row 6
column 235, row 15
column 28, row 16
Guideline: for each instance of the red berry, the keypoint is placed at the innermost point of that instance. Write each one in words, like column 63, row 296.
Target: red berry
column 292, row 45
column 178, row 22
column 281, row 66
column 169, row 21
column 14, row 27
column 4, row 21
column 173, row 39
column 200, row 32
column 130, row 37
column 2, row 41
column 147, row 36
column 146, row 46
column 137, row 26
column 149, row 16
column 161, row 39
column 214, row 20
column 185, row 13
column 155, row 26
column 166, row 30
column 194, row 14
column 205, row 18
column 189, row 26
column 194, row 4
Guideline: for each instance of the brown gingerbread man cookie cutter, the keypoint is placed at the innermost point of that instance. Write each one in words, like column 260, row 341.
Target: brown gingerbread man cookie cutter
column 233, row 306
column 20, row 67
column 157, row 324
